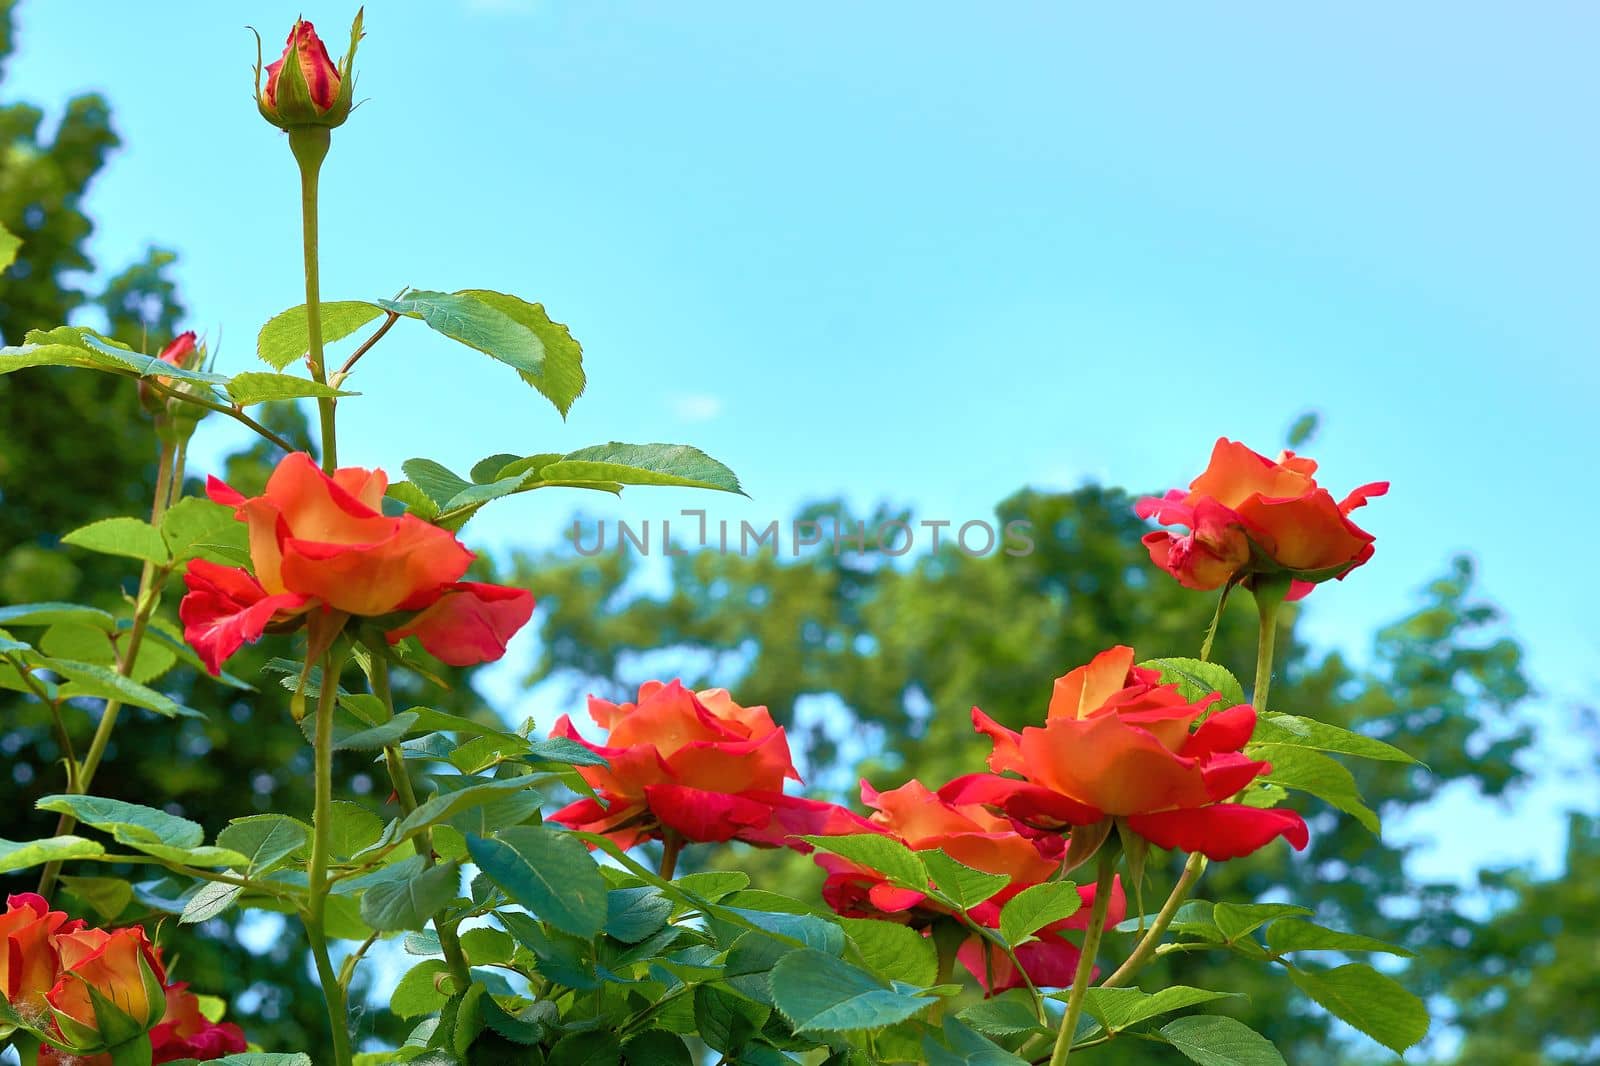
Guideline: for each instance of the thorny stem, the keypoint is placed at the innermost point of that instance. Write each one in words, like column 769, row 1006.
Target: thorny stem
column 400, row 777
column 1091, row 947
column 150, row 581
column 315, row 913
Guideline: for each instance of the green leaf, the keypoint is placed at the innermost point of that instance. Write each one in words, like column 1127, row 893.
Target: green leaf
column 265, row 839
column 410, row 898
column 93, row 645
column 379, row 736
column 959, row 882
column 1118, row 1008
column 1287, row 936
column 108, row 896
column 1234, row 920
column 286, row 336
column 210, row 900
column 1377, row 1005
column 893, row 951
column 1197, row 679
column 197, row 527
column 203, row 857
column 15, row 855
column 657, row 1047
column 351, row 829
column 882, row 854
column 9, row 243
column 562, row 379
column 1287, row 730
column 1215, row 1041
column 1007, row 1014
column 422, row 989
column 438, row 483
column 80, row 347
column 634, row 913
column 91, row 679
column 727, row 1022
column 448, row 804
column 488, row 469
column 415, row 500
column 585, row 1049
column 1036, row 907
column 820, row 993
column 131, row 537
column 1312, row 772
column 549, row 872
column 49, row 614
column 264, row 1058
column 643, row 464
column 477, row 324
column 255, row 386
column 130, row 820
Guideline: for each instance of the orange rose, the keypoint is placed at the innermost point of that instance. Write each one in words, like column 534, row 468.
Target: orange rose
column 971, row 834
column 29, row 962
column 120, row 968
column 1248, row 515
column 695, row 764
column 321, row 542
column 1117, row 742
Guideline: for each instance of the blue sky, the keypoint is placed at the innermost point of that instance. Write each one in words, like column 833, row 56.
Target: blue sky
column 930, row 252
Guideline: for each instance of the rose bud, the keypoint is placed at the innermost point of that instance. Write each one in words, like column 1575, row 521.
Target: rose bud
column 183, row 353
column 304, row 87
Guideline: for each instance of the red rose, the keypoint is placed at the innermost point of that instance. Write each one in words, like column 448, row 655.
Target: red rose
column 971, row 834
column 186, row 1033
column 696, row 764
column 1249, row 515
column 321, row 542
column 1118, row 742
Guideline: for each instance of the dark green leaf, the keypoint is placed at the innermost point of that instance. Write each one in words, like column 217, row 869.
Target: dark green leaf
column 408, row 901
column 1214, row 1041
column 1234, row 920
column 820, row 993
column 549, row 872
column 634, row 913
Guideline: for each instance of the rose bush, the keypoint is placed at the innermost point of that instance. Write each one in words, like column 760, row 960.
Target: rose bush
column 569, row 938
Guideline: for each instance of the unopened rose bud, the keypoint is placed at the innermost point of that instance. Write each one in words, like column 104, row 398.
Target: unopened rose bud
column 183, row 353
column 305, row 87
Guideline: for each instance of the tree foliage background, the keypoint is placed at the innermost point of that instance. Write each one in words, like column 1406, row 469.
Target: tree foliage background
column 873, row 667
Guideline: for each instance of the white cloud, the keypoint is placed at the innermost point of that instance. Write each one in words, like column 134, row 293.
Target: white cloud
column 696, row 406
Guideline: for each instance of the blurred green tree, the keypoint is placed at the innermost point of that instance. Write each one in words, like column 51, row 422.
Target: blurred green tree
column 875, row 666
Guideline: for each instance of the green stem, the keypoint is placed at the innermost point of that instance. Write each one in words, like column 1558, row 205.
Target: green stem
column 150, row 581
column 1269, row 597
column 671, row 847
column 948, row 936
column 321, row 846
column 449, row 940
column 1091, row 947
column 1146, row 948
column 310, row 147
